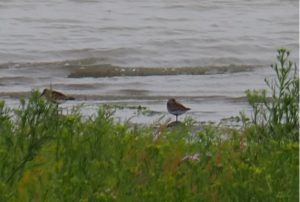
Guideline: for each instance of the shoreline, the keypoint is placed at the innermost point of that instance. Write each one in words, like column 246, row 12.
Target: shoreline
column 149, row 111
column 211, row 97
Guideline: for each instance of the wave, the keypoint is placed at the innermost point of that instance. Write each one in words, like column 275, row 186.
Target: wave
column 92, row 67
column 107, row 70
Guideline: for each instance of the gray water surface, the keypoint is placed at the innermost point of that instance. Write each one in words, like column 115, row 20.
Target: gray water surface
column 42, row 44
column 148, row 33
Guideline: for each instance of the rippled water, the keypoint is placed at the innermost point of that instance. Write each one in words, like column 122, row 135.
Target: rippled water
column 229, row 44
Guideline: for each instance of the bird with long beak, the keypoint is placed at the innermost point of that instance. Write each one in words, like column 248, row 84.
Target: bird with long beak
column 55, row 96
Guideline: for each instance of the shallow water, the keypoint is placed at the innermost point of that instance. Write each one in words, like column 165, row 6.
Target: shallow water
column 204, row 53
column 211, row 97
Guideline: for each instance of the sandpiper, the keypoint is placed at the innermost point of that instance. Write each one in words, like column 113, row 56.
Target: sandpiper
column 55, row 96
column 176, row 108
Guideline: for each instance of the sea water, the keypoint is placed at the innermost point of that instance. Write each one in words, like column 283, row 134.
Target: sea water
column 231, row 43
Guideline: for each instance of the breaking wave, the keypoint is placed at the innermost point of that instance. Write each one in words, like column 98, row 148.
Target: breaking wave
column 92, row 68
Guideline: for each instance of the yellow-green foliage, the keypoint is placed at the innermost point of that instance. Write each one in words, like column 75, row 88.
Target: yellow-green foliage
column 278, row 116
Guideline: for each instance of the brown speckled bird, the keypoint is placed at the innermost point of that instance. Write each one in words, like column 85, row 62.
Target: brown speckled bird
column 176, row 108
column 55, row 96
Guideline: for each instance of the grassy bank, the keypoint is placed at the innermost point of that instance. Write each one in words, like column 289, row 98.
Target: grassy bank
column 46, row 156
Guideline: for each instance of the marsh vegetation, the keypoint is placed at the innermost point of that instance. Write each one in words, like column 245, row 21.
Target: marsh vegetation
column 47, row 156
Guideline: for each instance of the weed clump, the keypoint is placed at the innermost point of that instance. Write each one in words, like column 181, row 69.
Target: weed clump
column 278, row 116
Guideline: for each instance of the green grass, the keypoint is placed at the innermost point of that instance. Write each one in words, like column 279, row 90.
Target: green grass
column 46, row 156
